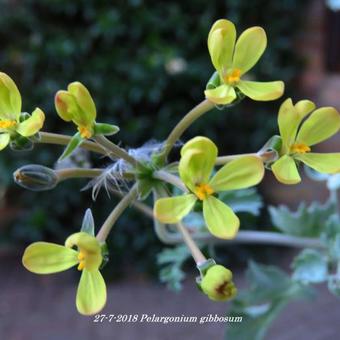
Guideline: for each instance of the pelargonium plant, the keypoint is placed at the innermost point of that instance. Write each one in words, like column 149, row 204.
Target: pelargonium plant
column 196, row 182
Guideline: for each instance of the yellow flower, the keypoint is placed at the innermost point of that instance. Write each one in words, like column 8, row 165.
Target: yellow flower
column 299, row 134
column 232, row 60
column 47, row 258
column 217, row 283
column 198, row 158
column 12, row 121
column 77, row 105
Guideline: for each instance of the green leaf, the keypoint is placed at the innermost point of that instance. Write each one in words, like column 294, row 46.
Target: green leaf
column 105, row 129
column 72, row 146
column 270, row 291
column 214, row 81
column 310, row 266
column 331, row 236
column 306, row 221
column 246, row 200
column 173, row 259
column 334, row 285
column 88, row 223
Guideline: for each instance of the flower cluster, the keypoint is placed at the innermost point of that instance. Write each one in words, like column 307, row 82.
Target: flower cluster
column 14, row 123
column 300, row 126
column 198, row 157
column 233, row 59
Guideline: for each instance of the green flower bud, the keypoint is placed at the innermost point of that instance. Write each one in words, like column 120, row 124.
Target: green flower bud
column 36, row 177
column 217, row 283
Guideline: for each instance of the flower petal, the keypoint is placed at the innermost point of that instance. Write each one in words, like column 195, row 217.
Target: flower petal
column 65, row 105
column 262, row 91
column 33, row 124
column 10, row 98
column 240, row 173
column 222, row 95
column 91, row 293
column 173, row 209
column 249, row 48
column 4, row 140
column 47, row 258
column 285, row 170
column 220, row 219
column 85, row 101
column 304, row 107
column 288, row 121
column 327, row 163
column 198, row 158
column 221, row 42
column 320, row 125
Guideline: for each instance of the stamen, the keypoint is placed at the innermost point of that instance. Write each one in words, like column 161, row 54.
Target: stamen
column 85, row 132
column 233, row 77
column 81, row 258
column 6, row 124
column 203, row 191
column 300, row 148
column 81, row 265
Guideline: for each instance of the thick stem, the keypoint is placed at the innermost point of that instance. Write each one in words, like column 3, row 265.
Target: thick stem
column 186, row 121
column 77, row 173
column 266, row 156
column 252, row 237
column 54, row 138
column 169, row 178
column 115, row 214
column 143, row 208
column 115, row 150
column 195, row 251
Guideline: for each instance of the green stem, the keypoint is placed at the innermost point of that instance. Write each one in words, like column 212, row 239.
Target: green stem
column 115, row 214
column 55, row 138
column 266, row 156
column 77, row 173
column 143, row 208
column 169, row 178
column 186, row 121
column 115, row 150
column 195, row 251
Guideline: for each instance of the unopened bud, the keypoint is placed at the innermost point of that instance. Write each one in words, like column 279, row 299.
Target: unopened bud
column 36, row 177
column 217, row 283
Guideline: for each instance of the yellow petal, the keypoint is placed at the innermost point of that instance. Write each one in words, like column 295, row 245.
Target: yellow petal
column 220, row 219
column 262, row 91
column 33, row 124
column 10, row 98
column 65, row 105
column 319, row 126
column 173, row 209
column 198, row 158
column 91, row 293
column 222, row 95
column 85, row 102
column 4, row 140
column 47, row 258
column 221, row 42
column 249, row 48
column 288, row 121
column 240, row 173
column 285, row 170
column 328, row 163
column 304, row 107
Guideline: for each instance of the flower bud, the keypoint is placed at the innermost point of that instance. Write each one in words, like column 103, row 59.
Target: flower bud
column 36, row 177
column 217, row 283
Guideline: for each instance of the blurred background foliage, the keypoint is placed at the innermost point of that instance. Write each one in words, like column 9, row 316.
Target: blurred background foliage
column 146, row 63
